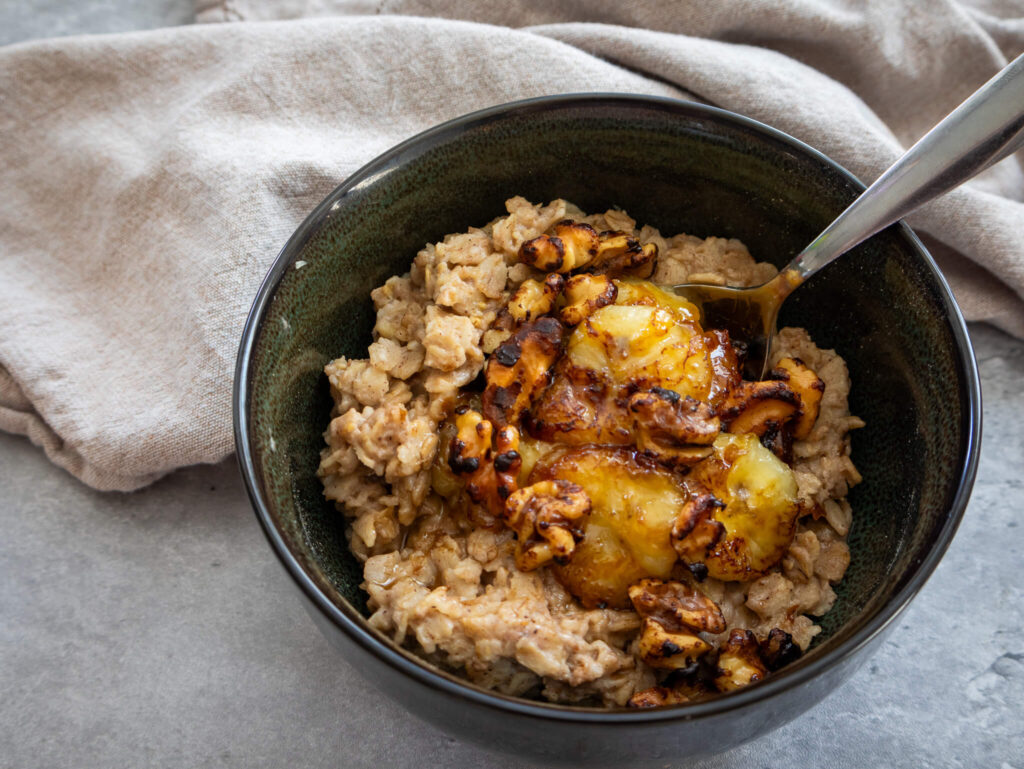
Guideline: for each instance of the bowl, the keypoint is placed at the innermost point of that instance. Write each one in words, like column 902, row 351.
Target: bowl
column 682, row 168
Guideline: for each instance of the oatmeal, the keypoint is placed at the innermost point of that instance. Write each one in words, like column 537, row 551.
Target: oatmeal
column 610, row 514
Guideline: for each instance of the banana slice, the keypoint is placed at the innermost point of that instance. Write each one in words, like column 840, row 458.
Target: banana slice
column 755, row 510
column 626, row 537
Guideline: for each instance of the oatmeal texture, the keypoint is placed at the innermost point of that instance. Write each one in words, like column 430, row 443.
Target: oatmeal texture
column 451, row 591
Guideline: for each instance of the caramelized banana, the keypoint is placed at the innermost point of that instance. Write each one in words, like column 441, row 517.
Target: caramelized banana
column 751, row 495
column 647, row 340
column 519, row 368
column 634, row 503
column 532, row 451
column 579, row 408
column 644, row 292
column 642, row 346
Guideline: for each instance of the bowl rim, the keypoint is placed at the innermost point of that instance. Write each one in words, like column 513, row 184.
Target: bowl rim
column 421, row 671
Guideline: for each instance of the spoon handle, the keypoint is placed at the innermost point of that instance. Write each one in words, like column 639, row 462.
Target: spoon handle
column 986, row 127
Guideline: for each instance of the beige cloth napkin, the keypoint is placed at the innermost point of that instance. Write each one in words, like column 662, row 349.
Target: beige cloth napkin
column 147, row 180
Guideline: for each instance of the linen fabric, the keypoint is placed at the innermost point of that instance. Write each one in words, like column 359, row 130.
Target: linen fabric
column 148, row 179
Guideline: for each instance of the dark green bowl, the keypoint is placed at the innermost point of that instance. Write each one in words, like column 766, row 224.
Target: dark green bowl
column 682, row 168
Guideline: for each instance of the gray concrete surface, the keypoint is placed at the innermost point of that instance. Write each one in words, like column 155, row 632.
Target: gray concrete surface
column 157, row 629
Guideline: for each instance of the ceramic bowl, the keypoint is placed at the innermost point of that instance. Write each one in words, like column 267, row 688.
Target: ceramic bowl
column 682, row 168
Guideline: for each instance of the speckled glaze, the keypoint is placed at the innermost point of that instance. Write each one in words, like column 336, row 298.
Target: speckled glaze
column 682, row 168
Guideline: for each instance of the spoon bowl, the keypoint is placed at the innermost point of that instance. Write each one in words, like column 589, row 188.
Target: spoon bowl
column 748, row 314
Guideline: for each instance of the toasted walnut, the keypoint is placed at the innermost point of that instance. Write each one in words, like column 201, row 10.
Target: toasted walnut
column 493, row 338
column 501, row 329
column 779, row 649
column 669, row 650
column 673, row 613
column 519, row 368
column 778, row 439
column 547, row 518
column 506, row 461
column 757, row 407
column 574, row 245
column 584, row 294
column 656, row 697
column 533, row 298
column 488, row 460
column 808, row 388
column 621, row 254
column 472, row 443
column 695, row 530
column 679, row 686
column 739, row 662
column 676, row 430
column 577, row 246
column 676, row 606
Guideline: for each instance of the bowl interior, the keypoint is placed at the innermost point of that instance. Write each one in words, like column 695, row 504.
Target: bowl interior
column 681, row 168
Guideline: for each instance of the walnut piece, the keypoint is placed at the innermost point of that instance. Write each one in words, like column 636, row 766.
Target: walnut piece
column 488, row 459
column 779, row 649
column 619, row 253
column 673, row 614
column 533, row 298
column 548, row 520
column 584, row 294
column 756, row 407
column 667, row 650
column 808, row 388
column 674, row 429
column 573, row 246
column 675, row 605
column 739, row 662
column 577, row 246
column 519, row 369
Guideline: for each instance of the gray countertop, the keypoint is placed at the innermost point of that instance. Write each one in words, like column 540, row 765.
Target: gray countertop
column 157, row 628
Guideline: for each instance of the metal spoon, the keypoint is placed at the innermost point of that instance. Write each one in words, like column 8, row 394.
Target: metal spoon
column 984, row 129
